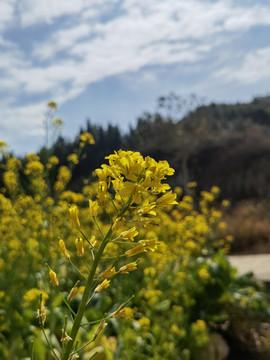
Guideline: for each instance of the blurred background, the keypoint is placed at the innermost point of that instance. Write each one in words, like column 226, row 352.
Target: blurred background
column 111, row 60
column 182, row 81
column 185, row 81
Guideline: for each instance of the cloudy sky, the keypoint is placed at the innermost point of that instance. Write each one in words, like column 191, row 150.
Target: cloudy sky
column 109, row 60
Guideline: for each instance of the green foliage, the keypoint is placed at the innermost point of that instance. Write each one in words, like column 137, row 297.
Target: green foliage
column 184, row 293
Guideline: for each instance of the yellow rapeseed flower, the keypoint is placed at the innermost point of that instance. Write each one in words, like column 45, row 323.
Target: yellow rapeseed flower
column 203, row 274
column 53, row 277
column 136, row 250
column 118, row 223
column 34, row 168
column 101, row 326
column 123, row 311
column 53, row 160
column 73, row 158
column 88, row 138
column 147, row 208
column 144, row 322
column 65, row 337
column 32, row 157
column 63, row 177
column 129, row 234
column 72, row 293
column 57, row 123
column 41, row 314
column 226, row 203
column 93, row 208
column 79, row 246
column 192, row 184
column 74, row 356
column 63, row 249
column 120, row 312
column 104, row 285
column 107, row 273
column 52, row 105
column 215, row 190
column 3, row 143
column 133, row 176
column 127, row 268
column 10, row 180
column 229, row 238
column 167, row 199
column 3, row 146
column 150, row 244
column 32, row 295
column 73, row 211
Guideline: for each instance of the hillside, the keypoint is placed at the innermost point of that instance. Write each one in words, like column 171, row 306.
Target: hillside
column 224, row 145
column 227, row 145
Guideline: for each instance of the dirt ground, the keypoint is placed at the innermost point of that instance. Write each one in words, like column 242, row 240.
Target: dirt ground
column 258, row 264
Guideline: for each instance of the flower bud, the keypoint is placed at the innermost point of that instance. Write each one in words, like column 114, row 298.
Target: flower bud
column 79, row 246
column 102, row 286
column 63, row 249
column 73, row 211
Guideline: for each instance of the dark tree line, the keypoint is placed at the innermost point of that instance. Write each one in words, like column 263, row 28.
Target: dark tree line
column 216, row 144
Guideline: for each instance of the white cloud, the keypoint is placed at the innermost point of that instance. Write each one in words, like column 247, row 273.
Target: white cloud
column 243, row 20
column 83, row 49
column 7, row 10
column 254, row 68
column 46, row 11
column 63, row 40
column 29, row 122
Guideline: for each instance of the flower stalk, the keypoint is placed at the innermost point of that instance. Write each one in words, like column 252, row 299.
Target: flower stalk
column 88, row 286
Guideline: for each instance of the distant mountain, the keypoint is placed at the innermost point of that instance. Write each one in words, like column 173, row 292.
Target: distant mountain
column 218, row 144
column 238, row 116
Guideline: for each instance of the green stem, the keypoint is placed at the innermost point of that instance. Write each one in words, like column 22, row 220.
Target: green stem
column 32, row 349
column 82, row 347
column 115, row 208
column 67, row 304
column 95, row 220
column 126, row 242
column 48, row 342
column 42, row 327
column 85, row 237
column 112, row 257
column 106, row 318
column 75, row 267
column 92, row 357
column 88, row 285
column 96, row 321
column 91, row 297
column 85, row 263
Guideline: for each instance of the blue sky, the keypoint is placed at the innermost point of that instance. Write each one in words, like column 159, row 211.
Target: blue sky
column 109, row 60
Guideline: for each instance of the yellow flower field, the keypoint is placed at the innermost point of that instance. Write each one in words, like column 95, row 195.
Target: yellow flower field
column 127, row 268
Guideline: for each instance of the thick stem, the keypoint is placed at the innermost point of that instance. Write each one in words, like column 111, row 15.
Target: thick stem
column 88, row 285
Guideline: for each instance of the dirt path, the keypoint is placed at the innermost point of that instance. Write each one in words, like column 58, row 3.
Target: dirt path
column 258, row 264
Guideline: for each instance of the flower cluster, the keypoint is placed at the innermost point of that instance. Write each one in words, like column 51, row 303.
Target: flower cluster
column 128, row 212
column 134, row 177
column 131, row 191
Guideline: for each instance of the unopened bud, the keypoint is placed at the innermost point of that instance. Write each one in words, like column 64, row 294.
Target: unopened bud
column 63, row 249
column 41, row 314
column 72, row 293
column 73, row 211
column 101, row 326
column 79, row 246
column 127, row 268
column 102, row 286
column 53, row 277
